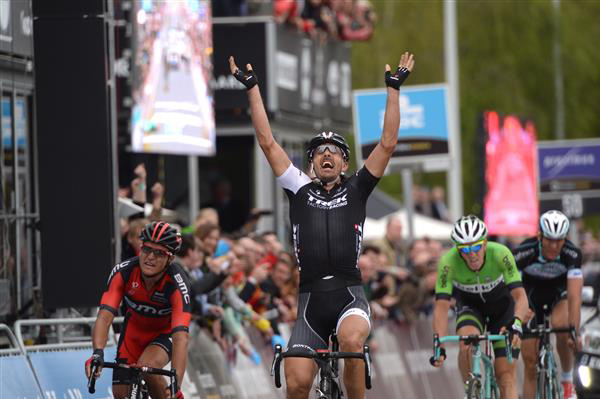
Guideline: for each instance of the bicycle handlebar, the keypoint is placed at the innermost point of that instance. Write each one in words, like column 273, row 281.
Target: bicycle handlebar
column 172, row 374
column 471, row 340
column 541, row 330
column 325, row 356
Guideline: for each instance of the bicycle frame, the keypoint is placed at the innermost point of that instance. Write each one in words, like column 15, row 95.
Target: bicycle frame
column 478, row 356
column 546, row 364
column 136, row 385
column 328, row 368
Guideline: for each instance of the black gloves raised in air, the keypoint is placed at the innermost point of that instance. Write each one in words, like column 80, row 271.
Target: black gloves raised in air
column 395, row 81
column 247, row 78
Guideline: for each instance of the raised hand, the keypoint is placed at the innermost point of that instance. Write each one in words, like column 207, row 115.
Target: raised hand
column 405, row 66
column 248, row 78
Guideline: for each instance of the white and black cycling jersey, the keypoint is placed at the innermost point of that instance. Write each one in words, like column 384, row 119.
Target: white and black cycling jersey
column 553, row 273
column 327, row 226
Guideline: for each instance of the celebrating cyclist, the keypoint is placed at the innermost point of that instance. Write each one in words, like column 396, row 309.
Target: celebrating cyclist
column 483, row 279
column 327, row 214
column 551, row 269
column 156, row 295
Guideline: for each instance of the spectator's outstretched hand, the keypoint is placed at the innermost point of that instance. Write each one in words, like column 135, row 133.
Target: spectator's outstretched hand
column 247, row 78
column 405, row 67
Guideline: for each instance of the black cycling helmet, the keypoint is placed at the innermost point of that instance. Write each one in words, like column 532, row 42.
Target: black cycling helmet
column 328, row 137
column 162, row 233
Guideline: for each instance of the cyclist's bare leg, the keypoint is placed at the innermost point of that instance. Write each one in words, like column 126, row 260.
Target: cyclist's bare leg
column 465, row 353
column 120, row 391
column 506, row 376
column 559, row 319
column 299, row 376
column 351, row 335
column 155, row 356
column 529, row 351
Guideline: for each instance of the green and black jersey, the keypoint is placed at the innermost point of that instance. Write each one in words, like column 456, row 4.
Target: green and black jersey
column 487, row 286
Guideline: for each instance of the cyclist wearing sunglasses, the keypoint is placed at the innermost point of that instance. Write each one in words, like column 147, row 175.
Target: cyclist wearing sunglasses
column 551, row 268
column 156, row 299
column 327, row 215
column 482, row 277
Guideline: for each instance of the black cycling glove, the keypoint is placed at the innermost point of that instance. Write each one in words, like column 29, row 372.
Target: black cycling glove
column 442, row 354
column 97, row 358
column 395, row 81
column 248, row 78
column 516, row 327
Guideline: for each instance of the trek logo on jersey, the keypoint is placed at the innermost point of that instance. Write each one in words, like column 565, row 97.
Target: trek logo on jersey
column 334, row 203
column 182, row 287
column 146, row 309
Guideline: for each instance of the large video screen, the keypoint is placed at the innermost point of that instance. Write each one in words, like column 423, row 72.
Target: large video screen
column 172, row 102
column 511, row 203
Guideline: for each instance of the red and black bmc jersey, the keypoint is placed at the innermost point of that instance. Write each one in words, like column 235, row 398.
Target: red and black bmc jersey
column 165, row 309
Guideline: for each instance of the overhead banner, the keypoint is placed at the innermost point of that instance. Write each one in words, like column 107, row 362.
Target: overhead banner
column 313, row 79
column 423, row 131
column 570, row 176
column 511, row 202
column 16, row 28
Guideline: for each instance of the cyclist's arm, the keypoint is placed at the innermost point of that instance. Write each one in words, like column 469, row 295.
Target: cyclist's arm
column 101, row 327
column 440, row 317
column 380, row 156
column 521, row 303
column 180, row 342
column 574, row 285
column 276, row 156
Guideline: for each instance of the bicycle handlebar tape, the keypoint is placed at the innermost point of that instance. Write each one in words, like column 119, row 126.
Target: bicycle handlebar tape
column 248, row 79
column 396, row 79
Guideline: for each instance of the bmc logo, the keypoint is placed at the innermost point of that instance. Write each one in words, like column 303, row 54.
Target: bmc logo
column 146, row 309
column 117, row 268
column 182, row 287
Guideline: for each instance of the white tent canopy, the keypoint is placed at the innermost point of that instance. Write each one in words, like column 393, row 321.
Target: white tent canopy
column 423, row 227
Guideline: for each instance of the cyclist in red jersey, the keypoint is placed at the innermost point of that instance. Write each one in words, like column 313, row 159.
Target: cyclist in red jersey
column 157, row 300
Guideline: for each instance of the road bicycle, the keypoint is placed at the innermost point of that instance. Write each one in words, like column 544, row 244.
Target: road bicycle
column 328, row 386
column 138, row 388
column 548, row 385
column 478, row 385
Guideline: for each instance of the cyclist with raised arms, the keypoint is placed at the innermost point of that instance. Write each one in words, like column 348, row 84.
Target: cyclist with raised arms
column 483, row 279
column 327, row 216
column 156, row 295
column 551, row 269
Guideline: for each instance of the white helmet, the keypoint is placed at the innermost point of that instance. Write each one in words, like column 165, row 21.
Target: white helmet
column 468, row 229
column 554, row 225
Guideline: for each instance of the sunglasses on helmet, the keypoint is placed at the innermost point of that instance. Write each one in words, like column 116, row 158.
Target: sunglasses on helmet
column 334, row 149
column 467, row 249
column 159, row 253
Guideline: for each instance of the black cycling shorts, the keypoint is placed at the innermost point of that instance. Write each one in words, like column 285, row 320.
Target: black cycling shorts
column 123, row 376
column 538, row 297
column 320, row 313
column 501, row 316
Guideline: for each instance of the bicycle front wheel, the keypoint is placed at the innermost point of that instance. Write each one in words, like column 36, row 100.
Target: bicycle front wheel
column 473, row 388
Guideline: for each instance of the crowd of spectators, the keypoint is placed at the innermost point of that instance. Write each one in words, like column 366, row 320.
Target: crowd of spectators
column 336, row 19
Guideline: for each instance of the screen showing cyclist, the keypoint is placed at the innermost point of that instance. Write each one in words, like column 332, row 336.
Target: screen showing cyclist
column 551, row 269
column 482, row 279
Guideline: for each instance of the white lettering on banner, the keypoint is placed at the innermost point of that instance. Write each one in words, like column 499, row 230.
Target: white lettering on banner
column 26, row 23
column 287, row 71
column 346, row 85
column 207, row 380
column 226, row 83
column 335, row 203
column 182, row 287
column 571, row 158
column 411, row 116
column 390, row 364
column 5, row 16
column 333, row 79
